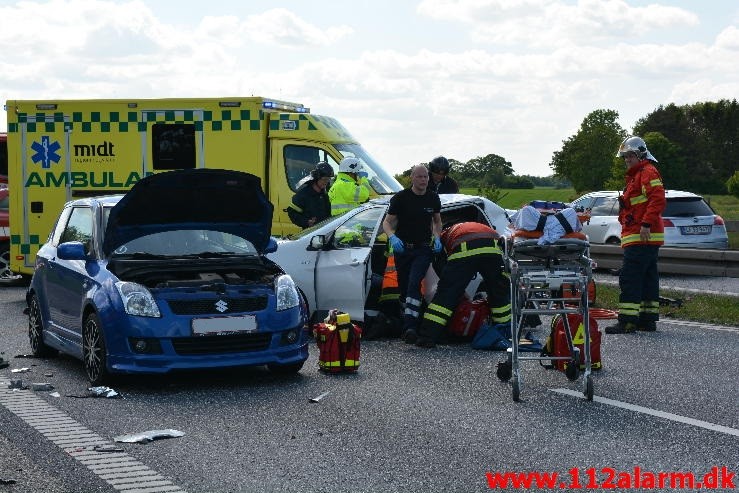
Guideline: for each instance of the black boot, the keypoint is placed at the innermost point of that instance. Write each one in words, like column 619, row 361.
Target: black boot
column 621, row 328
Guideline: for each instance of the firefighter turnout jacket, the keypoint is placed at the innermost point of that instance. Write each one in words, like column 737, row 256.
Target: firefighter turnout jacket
column 642, row 204
column 471, row 248
column 307, row 204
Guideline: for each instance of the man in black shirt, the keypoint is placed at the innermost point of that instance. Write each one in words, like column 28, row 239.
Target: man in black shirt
column 413, row 228
column 310, row 204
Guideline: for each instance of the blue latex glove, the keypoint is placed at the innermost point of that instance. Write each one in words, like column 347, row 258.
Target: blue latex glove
column 397, row 244
column 437, row 245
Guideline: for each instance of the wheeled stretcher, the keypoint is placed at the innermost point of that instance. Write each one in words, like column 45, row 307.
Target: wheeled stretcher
column 538, row 272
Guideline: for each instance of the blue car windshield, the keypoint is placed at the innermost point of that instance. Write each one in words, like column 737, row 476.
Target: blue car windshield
column 382, row 182
column 187, row 242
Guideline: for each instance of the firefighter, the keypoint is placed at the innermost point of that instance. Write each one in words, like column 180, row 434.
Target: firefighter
column 350, row 189
column 310, row 204
column 441, row 182
column 471, row 248
column 642, row 233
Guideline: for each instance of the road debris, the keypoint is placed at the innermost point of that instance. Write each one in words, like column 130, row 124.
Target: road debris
column 20, row 370
column 41, row 386
column 98, row 392
column 148, row 436
column 318, row 398
column 17, row 385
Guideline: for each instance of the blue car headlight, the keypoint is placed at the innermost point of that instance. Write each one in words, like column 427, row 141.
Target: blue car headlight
column 137, row 300
column 287, row 293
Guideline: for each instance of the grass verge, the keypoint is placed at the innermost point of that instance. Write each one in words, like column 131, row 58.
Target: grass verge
column 707, row 308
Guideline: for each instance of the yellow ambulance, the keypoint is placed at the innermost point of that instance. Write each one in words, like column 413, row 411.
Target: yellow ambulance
column 59, row 150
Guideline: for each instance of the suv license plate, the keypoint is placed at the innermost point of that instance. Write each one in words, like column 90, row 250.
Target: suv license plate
column 695, row 230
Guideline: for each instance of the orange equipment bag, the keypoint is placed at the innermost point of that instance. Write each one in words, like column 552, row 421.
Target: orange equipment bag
column 556, row 343
column 468, row 318
column 569, row 290
column 338, row 345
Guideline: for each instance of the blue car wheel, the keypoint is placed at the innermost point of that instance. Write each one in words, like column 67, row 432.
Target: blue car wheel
column 94, row 354
column 35, row 331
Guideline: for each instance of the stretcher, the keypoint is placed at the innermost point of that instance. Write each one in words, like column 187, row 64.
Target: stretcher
column 537, row 272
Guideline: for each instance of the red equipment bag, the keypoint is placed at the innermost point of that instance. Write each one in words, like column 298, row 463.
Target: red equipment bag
column 569, row 290
column 468, row 317
column 338, row 345
column 556, row 344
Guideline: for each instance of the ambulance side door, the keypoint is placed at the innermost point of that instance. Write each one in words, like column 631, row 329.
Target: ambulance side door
column 291, row 162
column 343, row 273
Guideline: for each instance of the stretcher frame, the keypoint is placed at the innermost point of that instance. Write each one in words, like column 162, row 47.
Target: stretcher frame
column 537, row 274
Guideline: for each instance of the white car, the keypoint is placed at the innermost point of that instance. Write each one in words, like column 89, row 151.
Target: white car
column 334, row 262
column 689, row 221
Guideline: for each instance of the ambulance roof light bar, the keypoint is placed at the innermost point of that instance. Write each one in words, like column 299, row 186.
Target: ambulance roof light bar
column 285, row 106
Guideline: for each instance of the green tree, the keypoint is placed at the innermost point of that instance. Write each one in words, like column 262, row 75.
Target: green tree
column 586, row 158
column 732, row 184
column 489, row 170
column 707, row 133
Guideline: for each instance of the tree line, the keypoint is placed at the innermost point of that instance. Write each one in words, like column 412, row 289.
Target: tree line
column 697, row 147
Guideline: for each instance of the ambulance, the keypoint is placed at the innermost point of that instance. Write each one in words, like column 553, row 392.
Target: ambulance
column 59, row 150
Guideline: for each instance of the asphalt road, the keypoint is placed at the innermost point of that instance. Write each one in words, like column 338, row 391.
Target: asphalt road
column 411, row 420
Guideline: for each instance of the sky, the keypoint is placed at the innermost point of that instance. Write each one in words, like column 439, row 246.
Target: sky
column 410, row 79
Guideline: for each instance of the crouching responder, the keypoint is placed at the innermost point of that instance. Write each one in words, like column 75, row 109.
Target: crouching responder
column 471, row 248
column 349, row 190
column 310, row 204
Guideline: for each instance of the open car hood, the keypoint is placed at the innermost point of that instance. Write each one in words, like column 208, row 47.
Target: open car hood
column 216, row 199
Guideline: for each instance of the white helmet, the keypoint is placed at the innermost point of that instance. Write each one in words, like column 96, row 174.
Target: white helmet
column 350, row 165
column 637, row 146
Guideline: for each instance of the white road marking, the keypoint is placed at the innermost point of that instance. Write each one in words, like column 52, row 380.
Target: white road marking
column 653, row 412
column 701, row 325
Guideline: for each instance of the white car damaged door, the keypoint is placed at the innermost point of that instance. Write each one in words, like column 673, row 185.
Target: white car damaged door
column 343, row 272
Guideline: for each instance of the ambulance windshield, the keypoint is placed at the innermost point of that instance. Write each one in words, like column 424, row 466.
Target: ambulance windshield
column 382, row 181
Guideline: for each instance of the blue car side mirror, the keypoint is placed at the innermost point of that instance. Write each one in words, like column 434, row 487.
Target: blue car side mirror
column 71, row 250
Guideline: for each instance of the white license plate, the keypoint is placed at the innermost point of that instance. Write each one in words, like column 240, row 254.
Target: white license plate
column 695, row 230
column 224, row 325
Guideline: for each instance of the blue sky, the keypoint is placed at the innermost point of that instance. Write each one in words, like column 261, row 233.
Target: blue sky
column 410, row 79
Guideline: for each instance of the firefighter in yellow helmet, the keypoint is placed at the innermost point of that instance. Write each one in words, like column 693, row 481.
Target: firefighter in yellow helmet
column 350, row 189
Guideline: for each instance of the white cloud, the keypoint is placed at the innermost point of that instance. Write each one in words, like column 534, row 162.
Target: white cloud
column 281, row 26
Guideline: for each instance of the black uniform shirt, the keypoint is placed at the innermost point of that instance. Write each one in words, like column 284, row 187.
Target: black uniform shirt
column 414, row 214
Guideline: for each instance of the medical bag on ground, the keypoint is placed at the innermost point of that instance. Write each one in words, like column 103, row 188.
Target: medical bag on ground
column 338, row 344
column 556, row 343
column 468, row 317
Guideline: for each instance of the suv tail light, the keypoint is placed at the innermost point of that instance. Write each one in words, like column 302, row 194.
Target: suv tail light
column 718, row 220
column 667, row 223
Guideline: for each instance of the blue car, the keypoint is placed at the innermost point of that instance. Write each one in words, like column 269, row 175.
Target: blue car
column 172, row 275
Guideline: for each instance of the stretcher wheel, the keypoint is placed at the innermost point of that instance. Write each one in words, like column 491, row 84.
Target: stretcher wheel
column 572, row 371
column 589, row 387
column 504, row 371
column 516, row 392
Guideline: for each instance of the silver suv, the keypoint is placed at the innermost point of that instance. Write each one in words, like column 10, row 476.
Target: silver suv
column 689, row 221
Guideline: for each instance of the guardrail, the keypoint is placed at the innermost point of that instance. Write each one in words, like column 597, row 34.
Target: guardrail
column 691, row 261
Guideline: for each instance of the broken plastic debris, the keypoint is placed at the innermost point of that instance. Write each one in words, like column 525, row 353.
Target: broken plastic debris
column 107, row 448
column 49, row 374
column 98, row 392
column 20, row 370
column 3, row 363
column 103, row 392
column 17, row 384
column 148, row 436
column 55, row 394
column 29, row 356
column 7, row 481
column 42, row 386
column 318, row 398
